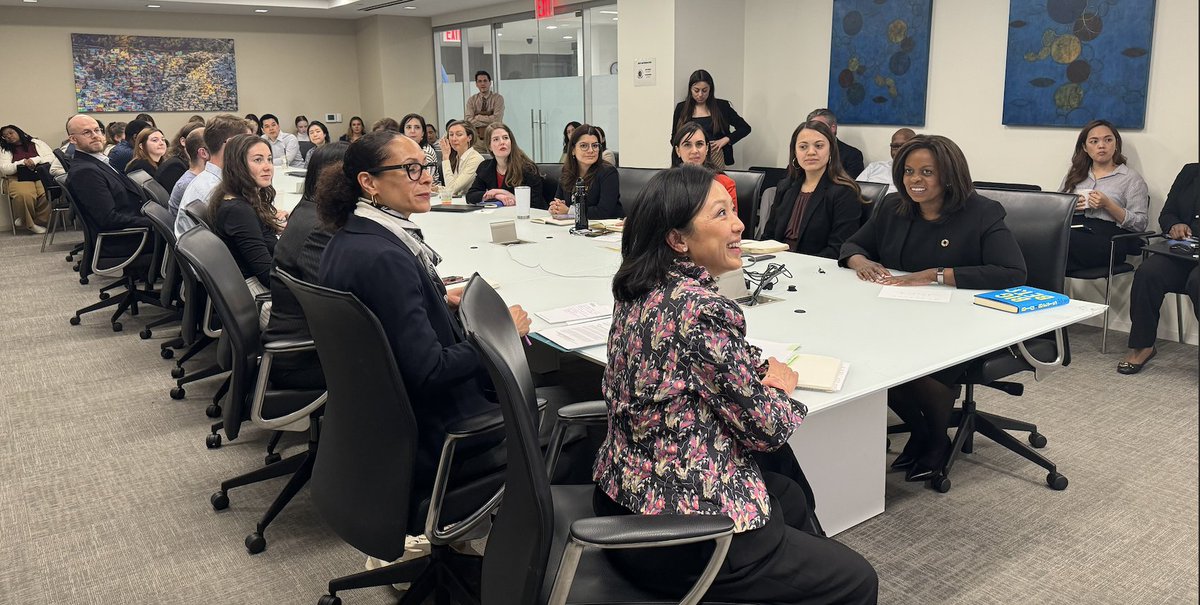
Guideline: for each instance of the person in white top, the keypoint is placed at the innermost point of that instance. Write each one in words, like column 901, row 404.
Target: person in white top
column 460, row 164
column 301, row 128
column 283, row 144
column 881, row 172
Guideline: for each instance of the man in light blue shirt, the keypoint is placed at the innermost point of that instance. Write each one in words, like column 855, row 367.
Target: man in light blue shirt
column 283, row 144
column 198, row 158
column 216, row 132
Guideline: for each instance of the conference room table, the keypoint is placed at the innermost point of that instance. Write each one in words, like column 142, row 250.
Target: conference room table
column 842, row 442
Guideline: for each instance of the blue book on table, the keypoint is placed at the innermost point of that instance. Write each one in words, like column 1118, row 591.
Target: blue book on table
column 1022, row 299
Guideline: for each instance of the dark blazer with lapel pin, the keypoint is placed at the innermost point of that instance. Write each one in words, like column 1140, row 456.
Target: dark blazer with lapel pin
column 442, row 372
column 111, row 200
column 831, row 217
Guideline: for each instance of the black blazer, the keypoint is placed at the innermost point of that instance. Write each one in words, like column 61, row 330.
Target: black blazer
column 833, row 214
column 140, row 164
column 251, row 242
column 485, row 180
column 110, row 200
column 978, row 245
column 852, row 159
column 169, row 172
column 442, row 372
column 603, row 195
column 1183, row 201
column 732, row 120
column 299, row 253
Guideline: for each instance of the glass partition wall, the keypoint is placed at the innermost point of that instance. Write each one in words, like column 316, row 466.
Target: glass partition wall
column 551, row 71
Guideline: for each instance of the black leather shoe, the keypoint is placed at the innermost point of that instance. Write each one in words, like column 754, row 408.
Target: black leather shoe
column 904, row 461
column 1126, row 367
column 920, row 472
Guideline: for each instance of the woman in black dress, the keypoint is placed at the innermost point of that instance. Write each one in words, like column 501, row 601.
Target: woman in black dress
column 723, row 127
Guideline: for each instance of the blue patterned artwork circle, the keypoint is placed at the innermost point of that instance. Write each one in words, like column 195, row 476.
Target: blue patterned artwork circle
column 879, row 61
column 1074, row 61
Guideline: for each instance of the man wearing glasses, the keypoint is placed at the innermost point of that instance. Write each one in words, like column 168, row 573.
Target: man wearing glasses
column 881, row 172
column 110, row 200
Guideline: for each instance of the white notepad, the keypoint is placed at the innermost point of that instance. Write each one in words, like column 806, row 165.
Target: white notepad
column 816, row 372
column 918, row 293
column 575, row 313
column 579, row 336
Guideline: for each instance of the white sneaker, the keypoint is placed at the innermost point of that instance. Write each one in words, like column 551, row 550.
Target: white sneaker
column 36, row 228
column 415, row 547
column 18, row 222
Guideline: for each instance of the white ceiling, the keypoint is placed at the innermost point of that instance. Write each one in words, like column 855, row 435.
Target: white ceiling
column 328, row 9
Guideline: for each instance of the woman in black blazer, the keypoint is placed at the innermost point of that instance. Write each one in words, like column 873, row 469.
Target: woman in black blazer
column 722, row 125
column 378, row 254
column 820, row 205
column 600, row 179
column 941, row 231
column 497, row 179
column 242, row 213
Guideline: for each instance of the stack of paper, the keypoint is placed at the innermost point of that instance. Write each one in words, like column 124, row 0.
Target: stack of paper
column 575, row 313
column 580, row 335
column 764, row 247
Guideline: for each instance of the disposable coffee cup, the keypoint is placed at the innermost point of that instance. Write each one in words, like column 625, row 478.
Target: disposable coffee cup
column 522, row 194
column 444, row 195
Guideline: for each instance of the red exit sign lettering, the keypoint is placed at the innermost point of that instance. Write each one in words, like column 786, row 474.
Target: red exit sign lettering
column 543, row 9
column 454, row 35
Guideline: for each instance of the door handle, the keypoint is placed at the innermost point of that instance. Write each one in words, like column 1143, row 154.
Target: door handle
column 533, row 134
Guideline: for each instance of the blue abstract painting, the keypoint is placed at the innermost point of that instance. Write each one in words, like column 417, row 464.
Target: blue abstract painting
column 1074, row 61
column 879, row 63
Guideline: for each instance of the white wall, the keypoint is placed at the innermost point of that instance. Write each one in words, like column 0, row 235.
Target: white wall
column 786, row 63
column 699, row 45
column 647, row 31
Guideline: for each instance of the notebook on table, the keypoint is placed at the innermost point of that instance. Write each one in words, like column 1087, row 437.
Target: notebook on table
column 454, row 208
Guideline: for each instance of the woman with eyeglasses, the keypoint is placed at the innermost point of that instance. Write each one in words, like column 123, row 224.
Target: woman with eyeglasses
column 149, row 148
column 379, row 254
column 723, row 127
column 460, row 165
column 818, row 206
column 413, row 127
column 21, row 158
column 497, row 179
column 601, row 180
column 689, row 146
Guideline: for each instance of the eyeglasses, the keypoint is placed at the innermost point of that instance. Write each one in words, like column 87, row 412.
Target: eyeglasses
column 588, row 146
column 94, row 132
column 413, row 169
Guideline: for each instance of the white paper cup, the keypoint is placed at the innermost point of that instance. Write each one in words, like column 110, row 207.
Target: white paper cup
column 522, row 195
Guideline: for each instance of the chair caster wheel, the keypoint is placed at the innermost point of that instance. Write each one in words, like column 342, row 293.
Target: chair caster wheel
column 75, row 320
column 167, row 354
column 272, row 458
column 177, row 371
column 145, row 334
column 1056, row 481
column 213, row 441
column 104, row 296
column 70, row 258
column 1037, row 440
column 219, row 500
column 117, row 327
column 178, row 393
column 256, row 543
column 329, row 600
column 213, row 411
column 941, row 483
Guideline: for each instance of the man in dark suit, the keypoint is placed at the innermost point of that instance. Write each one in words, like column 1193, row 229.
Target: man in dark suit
column 108, row 198
column 852, row 158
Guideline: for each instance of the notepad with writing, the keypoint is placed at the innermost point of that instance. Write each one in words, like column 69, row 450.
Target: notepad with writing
column 550, row 220
column 579, row 336
column 764, row 247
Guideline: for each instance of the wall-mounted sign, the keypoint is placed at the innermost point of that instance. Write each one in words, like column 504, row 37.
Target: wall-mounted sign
column 453, row 35
column 543, row 9
column 644, row 74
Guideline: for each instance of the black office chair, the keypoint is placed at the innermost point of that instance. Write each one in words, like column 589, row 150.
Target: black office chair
column 1119, row 248
column 305, row 146
column 122, row 254
column 168, row 268
column 633, row 181
column 764, row 211
column 1041, row 223
column 198, row 212
column 139, row 178
column 200, row 328
column 773, row 175
column 1006, row 186
column 65, row 160
column 362, row 482
column 874, row 194
column 749, row 191
column 545, row 543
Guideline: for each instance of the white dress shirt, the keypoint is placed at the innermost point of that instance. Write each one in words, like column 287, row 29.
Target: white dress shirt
column 878, row 172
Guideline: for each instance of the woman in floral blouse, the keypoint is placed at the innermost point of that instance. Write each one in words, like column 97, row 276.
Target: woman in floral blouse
column 695, row 415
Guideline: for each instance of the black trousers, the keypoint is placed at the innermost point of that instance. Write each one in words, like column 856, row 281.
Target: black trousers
column 778, row 564
column 1090, row 247
column 1154, row 278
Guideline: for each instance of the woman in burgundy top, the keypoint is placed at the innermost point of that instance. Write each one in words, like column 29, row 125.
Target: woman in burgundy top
column 818, row 205
column 695, row 416
column 20, row 158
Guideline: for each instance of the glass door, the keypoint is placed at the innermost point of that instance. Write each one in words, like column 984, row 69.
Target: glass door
column 541, row 77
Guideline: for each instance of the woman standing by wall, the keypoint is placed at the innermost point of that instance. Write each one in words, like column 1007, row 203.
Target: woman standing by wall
column 723, row 127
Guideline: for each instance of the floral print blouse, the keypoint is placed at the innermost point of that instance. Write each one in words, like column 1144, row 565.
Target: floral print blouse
column 686, row 405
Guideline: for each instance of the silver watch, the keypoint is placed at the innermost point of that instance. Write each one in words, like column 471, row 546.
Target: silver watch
column 941, row 275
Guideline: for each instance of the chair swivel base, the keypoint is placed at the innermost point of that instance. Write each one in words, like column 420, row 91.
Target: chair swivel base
column 444, row 571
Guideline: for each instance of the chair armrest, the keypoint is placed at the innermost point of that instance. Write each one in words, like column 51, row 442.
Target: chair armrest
column 585, row 413
column 478, row 424
column 260, row 388
column 474, row 426
column 1120, row 236
column 144, row 232
column 289, row 346
column 649, row 531
column 645, row 531
column 1041, row 369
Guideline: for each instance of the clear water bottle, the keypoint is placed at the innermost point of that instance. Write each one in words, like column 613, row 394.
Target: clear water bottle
column 579, row 200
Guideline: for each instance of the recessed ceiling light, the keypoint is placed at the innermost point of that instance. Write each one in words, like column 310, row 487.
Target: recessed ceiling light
column 153, row 6
column 30, row 1
column 568, row 38
column 260, row 10
column 551, row 27
column 608, row 12
column 410, row 8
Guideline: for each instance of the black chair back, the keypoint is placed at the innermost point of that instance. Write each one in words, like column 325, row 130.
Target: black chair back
column 161, row 220
column 198, row 212
column 140, row 178
column 63, row 158
column 361, row 482
column 1006, row 186
column 773, row 175
column 153, row 191
column 524, row 528
column 305, row 147
column 633, row 180
column 749, row 192
column 208, row 257
column 1041, row 223
column 873, row 193
column 550, row 173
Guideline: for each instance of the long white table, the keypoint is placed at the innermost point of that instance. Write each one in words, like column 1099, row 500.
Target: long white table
column 887, row 342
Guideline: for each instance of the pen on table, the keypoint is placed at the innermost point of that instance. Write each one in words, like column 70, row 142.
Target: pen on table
column 527, row 341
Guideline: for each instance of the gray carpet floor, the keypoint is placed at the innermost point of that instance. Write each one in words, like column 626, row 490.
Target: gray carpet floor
column 104, row 480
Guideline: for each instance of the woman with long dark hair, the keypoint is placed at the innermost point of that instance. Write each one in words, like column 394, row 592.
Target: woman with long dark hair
column 941, row 231
column 601, row 180
column 413, row 126
column 242, row 212
column 1113, row 198
column 689, row 146
column 698, row 421
column 818, row 206
column 723, row 127
column 21, row 159
column 567, row 130
column 176, row 162
column 498, row 178
column 318, row 135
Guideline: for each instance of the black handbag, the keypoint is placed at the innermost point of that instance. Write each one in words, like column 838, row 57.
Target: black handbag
column 26, row 174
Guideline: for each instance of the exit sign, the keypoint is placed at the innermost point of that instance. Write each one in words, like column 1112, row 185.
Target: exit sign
column 453, row 35
column 543, row 9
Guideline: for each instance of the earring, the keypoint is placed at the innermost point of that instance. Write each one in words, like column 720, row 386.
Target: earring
column 375, row 199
